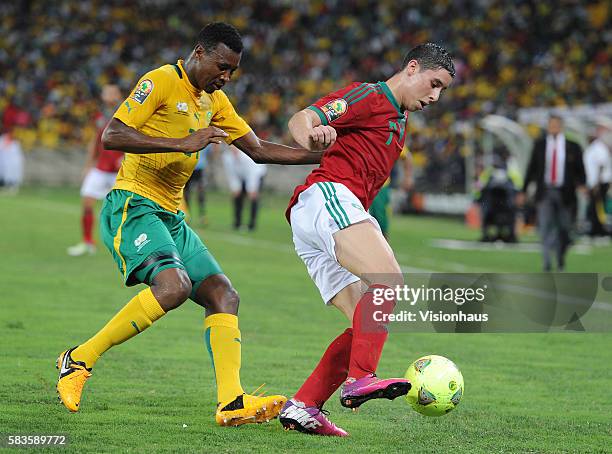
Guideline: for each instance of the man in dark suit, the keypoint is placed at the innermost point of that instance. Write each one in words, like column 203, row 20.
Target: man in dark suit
column 557, row 168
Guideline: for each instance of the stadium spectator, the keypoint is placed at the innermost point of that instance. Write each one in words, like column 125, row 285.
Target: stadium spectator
column 557, row 168
column 598, row 167
column 504, row 52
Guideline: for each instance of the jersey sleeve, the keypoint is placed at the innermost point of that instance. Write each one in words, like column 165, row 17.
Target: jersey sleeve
column 226, row 118
column 343, row 108
column 149, row 94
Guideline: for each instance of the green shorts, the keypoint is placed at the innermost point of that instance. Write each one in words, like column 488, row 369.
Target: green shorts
column 145, row 238
column 380, row 208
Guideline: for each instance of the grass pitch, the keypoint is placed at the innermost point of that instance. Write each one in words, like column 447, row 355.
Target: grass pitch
column 524, row 392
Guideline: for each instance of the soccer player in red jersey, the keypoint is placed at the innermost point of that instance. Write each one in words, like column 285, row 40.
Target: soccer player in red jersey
column 362, row 127
column 100, row 170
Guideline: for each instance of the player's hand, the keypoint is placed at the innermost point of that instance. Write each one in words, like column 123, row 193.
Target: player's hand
column 321, row 137
column 201, row 138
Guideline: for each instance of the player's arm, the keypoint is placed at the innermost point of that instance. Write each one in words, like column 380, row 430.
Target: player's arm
column 119, row 136
column 307, row 130
column 264, row 152
column 243, row 137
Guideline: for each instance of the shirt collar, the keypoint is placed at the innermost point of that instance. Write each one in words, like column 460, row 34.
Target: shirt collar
column 185, row 79
column 389, row 94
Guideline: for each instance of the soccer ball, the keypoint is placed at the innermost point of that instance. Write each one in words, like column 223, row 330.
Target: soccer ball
column 437, row 385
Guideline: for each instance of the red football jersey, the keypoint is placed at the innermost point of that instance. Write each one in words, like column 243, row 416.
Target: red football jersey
column 108, row 160
column 371, row 133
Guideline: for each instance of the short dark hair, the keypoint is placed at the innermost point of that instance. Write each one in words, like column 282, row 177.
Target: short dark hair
column 430, row 56
column 556, row 116
column 220, row 32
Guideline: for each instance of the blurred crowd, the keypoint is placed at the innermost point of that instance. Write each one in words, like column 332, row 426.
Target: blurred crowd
column 508, row 55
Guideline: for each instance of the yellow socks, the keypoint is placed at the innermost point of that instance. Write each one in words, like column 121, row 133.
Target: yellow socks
column 222, row 338
column 136, row 316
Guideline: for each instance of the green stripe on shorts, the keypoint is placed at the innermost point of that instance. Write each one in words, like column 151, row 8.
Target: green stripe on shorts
column 335, row 198
column 333, row 212
column 333, row 205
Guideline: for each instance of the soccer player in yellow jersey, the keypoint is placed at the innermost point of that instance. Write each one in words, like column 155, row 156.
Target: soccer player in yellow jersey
column 173, row 113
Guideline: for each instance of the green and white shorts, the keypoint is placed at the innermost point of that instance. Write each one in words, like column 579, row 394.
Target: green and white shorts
column 145, row 239
column 320, row 211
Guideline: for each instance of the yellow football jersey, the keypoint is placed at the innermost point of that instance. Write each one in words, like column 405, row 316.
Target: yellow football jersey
column 166, row 104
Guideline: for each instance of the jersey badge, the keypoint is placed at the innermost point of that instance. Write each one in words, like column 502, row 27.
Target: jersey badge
column 141, row 241
column 182, row 106
column 143, row 91
column 334, row 109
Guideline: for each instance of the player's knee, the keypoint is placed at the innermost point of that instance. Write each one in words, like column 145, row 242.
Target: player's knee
column 389, row 275
column 171, row 290
column 228, row 302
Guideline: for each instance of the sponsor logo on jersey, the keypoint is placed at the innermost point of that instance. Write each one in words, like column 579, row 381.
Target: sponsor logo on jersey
column 182, row 106
column 141, row 241
column 334, row 109
column 143, row 90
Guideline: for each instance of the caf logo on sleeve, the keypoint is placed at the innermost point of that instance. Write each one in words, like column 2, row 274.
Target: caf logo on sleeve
column 334, row 109
column 143, row 91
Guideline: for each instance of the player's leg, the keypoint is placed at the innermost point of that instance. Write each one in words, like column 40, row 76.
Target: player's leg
column 150, row 258
column 93, row 188
column 212, row 290
column 238, row 202
column 304, row 411
column 380, row 209
column 87, row 220
column 362, row 250
column 566, row 220
column 546, row 228
column 332, row 369
column 254, row 176
column 312, row 226
column 235, row 183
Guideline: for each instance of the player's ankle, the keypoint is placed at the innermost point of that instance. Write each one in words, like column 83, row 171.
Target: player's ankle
column 305, row 400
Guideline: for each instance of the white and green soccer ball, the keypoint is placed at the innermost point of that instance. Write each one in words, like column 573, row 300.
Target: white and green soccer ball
column 437, row 385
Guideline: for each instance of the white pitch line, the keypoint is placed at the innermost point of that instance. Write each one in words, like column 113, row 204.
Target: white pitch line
column 462, row 245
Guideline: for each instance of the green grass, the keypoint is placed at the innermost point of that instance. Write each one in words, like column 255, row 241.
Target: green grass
column 524, row 392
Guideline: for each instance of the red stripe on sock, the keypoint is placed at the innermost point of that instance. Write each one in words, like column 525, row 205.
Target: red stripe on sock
column 329, row 374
